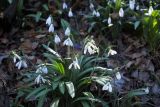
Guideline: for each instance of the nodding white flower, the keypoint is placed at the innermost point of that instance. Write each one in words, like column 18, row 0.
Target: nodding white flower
column 149, row 11
column 118, row 75
column 146, row 90
column 42, row 69
column 74, row 64
column 21, row 64
column 110, row 21
column 121, row 12
column 91, row 47
column 49, row 20
column 67, row 32
column 114, row 0
column 132, row 4
column 39, row 79
column 91, row 6
column 94, row 13
column 70, row 14
column 68, row 42
column 51, row 28
column 97, row 14
column 137, row 7
column 112, row 52
column 107, row 87
column 57, row 39
column 65, row 5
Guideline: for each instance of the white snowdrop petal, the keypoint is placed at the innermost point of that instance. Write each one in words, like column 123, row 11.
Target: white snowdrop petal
column 70, row 14
column 146, row 90
column 57, row 40
column 24, row 64
column 97, row 14
column 14, row 59
column 118, row 75
column 67, row 32
column 49, row 21
column 51, row 28
column 132, row 4
column 20, row 65
column 110, row 88
column 65, row 6
column 121, row 12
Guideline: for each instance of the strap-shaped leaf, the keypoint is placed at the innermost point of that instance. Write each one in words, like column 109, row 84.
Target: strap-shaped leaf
column 35, row 91
column 55, row 103
column 70, row 88
column 62, row 87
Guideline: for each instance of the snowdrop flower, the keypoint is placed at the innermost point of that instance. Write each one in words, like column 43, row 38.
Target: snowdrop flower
column 49, row 20
column 118, row 75
column 137, row 7
column 57, row 40
column 112, row 52
column 51, row 28
column 91, row 47
column 110, row 21
column 68, row 42
column 94, row 13
column 91, row 6
column 149, row 11
column 107, row 87
column 121, row 12
column 146, row 90
column 67, row 32
column 74, row 64
column 131, row 4
column 97, row 14
column 21, row 64
column 70, row 14
column 40, row 79
column 42, row 69
column 65, row 5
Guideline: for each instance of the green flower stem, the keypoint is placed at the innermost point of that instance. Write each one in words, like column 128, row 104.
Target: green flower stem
column 68, row 51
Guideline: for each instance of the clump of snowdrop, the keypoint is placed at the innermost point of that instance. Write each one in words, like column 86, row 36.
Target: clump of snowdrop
column 19, row 61
column 39, row 79
column 68, row 42
column 74, row 64
column 132, row 4
column 51, row 28
column 70, row 14
column 121, row 12
column 49, row 21
column 91, row 47
column 67, row 32
column 57, row 39
column 107, row 87
column 64, row 5
column 149, row 11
